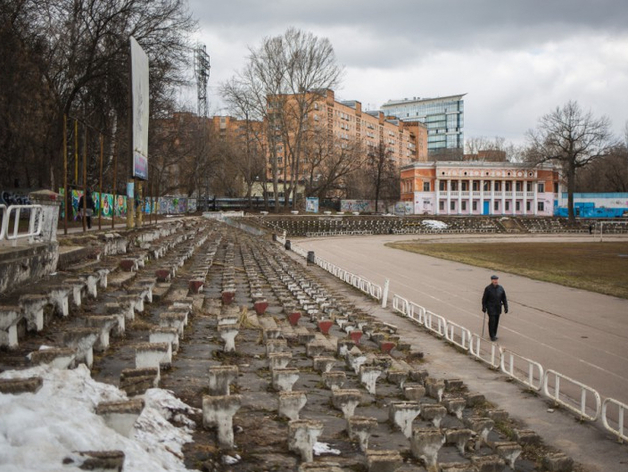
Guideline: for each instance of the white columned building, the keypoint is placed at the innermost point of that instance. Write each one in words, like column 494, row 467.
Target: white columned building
column 504, row 188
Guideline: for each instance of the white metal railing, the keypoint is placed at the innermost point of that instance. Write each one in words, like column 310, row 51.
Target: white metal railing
column 531, row 374
column 584, row 390
column 365, row 286
column 492, row 358
column 11, row 222
column 622, row 409
column 417, row 313
column 458, row 335
column 3, row 216
column 434, row 323
column 401, row 305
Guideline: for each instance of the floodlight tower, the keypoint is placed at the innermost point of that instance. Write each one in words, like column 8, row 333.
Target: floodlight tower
column 201, row 70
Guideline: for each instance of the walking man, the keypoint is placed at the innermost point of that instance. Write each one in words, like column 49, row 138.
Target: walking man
column 87, row 207
column 492, row 300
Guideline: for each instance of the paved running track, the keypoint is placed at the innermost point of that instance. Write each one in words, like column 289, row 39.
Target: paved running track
column 580, row 334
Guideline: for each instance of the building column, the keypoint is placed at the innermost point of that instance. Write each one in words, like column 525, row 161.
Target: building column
column 471, row 197
column 535, row 202
column 491, row 209
column 459, row 196
column 514, row 197
column 448, row 203
column 482, row 197
column 437, row 191
column 524, row 187
column 503, row 187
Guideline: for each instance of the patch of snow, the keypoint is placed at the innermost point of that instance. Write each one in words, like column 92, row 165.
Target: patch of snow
column 434, row 224
column 324, row 448
column 38, row 430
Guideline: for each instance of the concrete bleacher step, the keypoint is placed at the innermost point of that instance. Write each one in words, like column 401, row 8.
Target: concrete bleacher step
column 18, row 386
column 101, row 461
column 121, row 415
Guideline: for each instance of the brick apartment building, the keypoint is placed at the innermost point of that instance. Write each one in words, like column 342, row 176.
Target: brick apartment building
column 344, row 124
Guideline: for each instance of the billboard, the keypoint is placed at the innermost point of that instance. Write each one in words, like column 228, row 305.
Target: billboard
column 139, row 110
column 311, row 204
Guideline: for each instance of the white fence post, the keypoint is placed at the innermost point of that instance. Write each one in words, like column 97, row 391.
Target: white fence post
column 385, row 294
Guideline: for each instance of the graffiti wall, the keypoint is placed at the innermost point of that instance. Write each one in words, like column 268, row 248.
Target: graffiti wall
column 402, row 208
column 363, row 206
column 162, row 205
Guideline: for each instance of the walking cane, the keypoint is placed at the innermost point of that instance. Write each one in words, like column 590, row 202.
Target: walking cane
column 483, row 323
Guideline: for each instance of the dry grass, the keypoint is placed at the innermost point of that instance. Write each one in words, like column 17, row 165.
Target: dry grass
column 599, row 267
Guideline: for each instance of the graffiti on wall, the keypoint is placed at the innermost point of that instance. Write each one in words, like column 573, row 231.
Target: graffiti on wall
column 403, row 208
column 363, row 206
column 8, row 198
column 161, row 205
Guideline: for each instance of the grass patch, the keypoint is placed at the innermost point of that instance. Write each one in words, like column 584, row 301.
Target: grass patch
column 600, row 267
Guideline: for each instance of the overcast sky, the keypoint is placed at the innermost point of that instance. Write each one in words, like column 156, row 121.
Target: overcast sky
column 515, row 59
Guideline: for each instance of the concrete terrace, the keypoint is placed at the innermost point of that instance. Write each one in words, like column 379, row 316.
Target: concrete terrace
column 279, row 357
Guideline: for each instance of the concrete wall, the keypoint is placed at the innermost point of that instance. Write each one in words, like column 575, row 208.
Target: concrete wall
column 27, row 264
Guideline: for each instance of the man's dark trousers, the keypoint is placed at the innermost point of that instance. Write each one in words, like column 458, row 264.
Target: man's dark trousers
column 493, row 323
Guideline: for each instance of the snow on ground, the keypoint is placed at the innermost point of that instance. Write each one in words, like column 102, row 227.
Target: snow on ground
column 434, row 224
column 38, row 431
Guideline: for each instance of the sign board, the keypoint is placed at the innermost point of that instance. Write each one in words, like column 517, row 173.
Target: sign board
column 139, row 110
column 311, row 204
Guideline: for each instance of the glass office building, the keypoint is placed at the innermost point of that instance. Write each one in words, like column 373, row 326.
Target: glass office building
column 443, row 116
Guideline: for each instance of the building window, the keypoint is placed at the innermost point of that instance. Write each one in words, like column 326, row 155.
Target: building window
column 507, row 206
column 441, row 205
column 517, row 186
column 508, row 186
column 465, row 185
column 454, row 185
column 464, row 205
column 498, row 186
column 528, row 186
column 426, row 186
column 528, row 206
column 452, row 205
column 541, row 187
column 442, row 185
column 517, row 206
column 475, row 206
column 540, row 206
column 476, row 186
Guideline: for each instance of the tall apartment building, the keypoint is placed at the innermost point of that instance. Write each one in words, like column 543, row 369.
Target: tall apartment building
column 443, row 117
column 346, row 122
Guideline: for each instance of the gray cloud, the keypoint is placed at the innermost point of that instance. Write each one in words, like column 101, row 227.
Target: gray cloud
column 516, row 59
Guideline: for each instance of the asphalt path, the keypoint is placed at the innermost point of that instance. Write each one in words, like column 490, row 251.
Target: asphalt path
column 580, row 334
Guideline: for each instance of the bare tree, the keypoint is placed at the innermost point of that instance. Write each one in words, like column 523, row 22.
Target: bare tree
column 328, row 162
column 250, row 144
column 608, row 174
column 378, row 178
column 80, row 50
column 571, row 138
column 512, row 152
column 283, row 79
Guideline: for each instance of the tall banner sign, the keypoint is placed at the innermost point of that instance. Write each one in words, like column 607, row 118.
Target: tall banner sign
column 139, row 110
